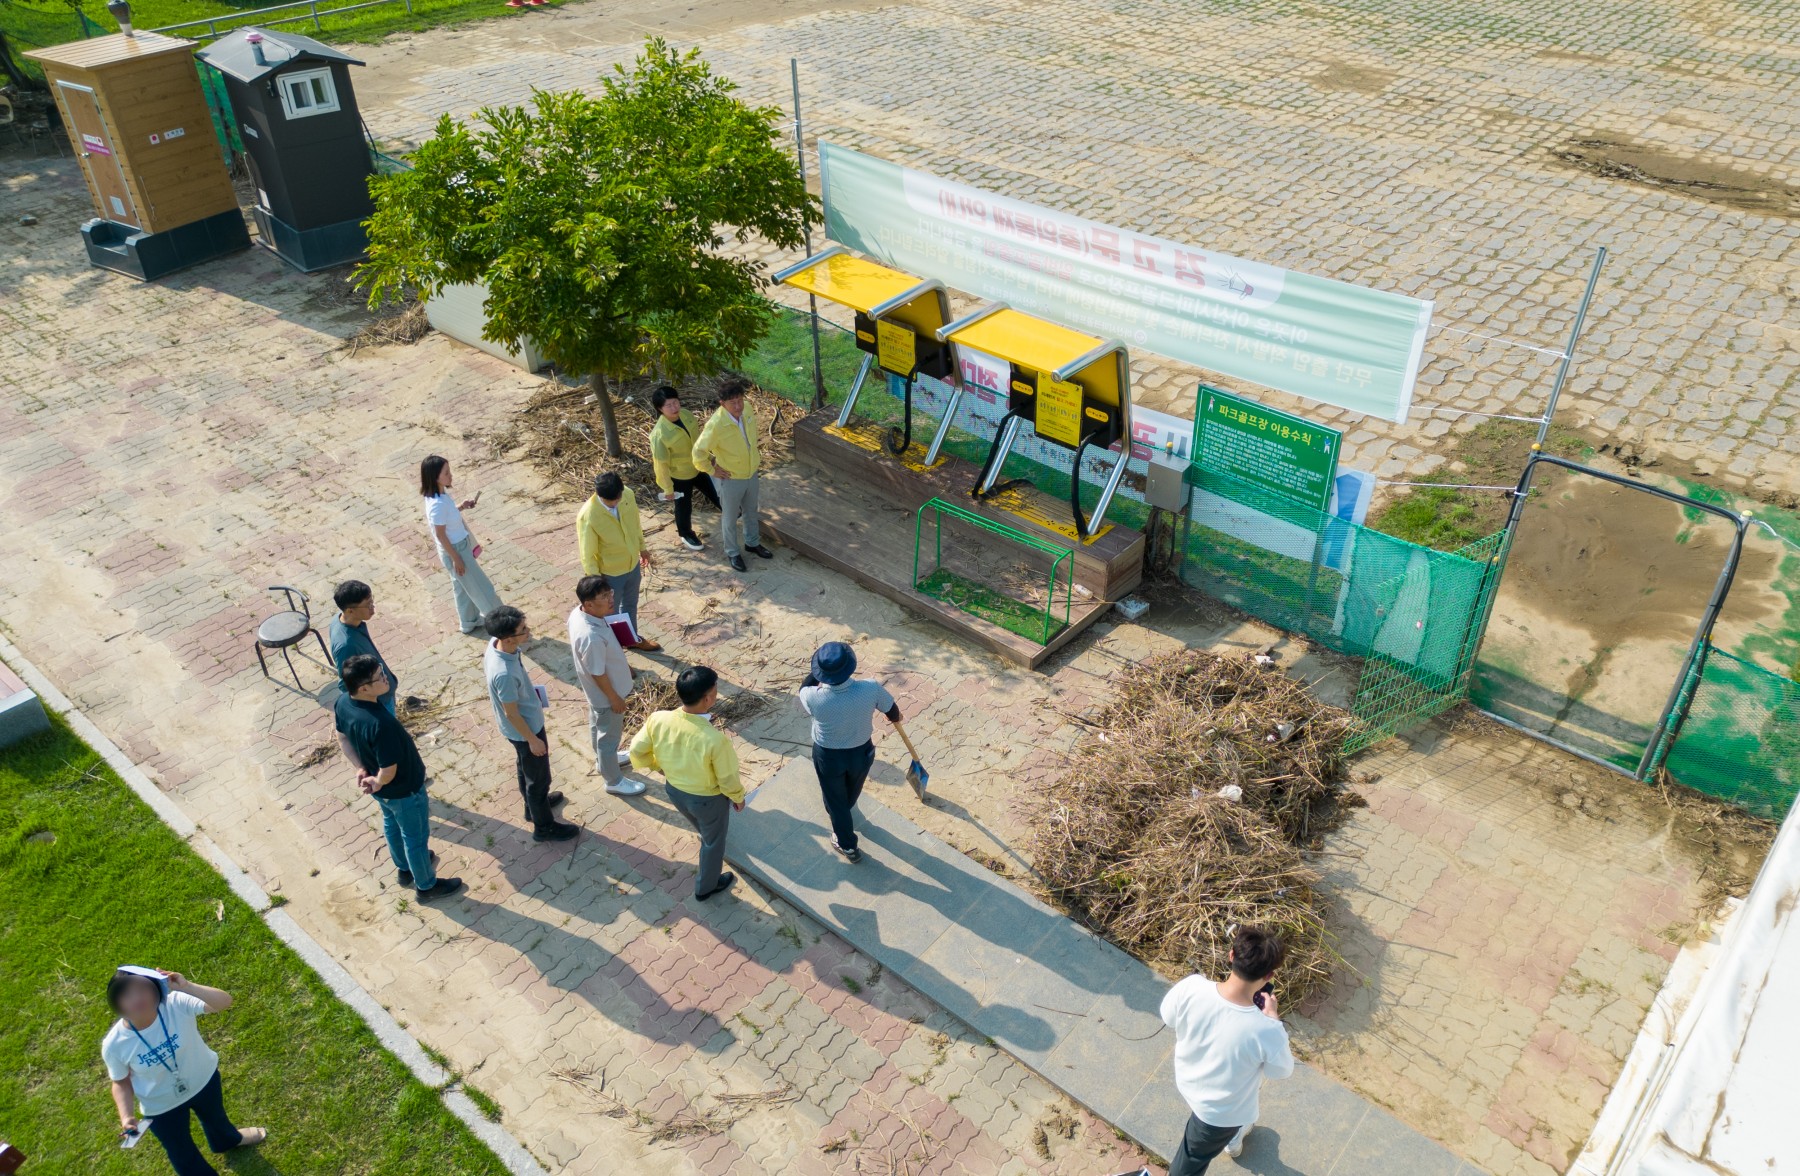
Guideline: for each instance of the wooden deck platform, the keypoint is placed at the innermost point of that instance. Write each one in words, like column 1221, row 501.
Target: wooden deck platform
column 1108, row 565
column 847, row 527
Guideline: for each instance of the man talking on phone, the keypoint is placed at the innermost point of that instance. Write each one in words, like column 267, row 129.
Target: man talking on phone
column 1228, row 1038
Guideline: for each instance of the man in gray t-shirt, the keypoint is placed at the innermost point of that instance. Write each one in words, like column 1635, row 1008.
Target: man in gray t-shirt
column 843, row 714
column 519, row 709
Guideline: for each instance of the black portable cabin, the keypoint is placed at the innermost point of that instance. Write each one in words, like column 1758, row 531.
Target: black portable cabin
column 309, row 157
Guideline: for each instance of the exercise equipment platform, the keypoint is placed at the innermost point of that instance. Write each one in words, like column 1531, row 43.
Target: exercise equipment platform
column 850, row 505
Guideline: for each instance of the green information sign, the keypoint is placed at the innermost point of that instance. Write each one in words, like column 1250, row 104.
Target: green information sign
column 1287, row 454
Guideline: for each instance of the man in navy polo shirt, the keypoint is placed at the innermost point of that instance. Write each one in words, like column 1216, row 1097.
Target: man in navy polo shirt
column 348, row 635
column 389, row 768
column 843, row 734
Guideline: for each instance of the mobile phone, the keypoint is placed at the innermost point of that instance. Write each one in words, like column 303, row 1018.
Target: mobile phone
column 1262, row 994
column 131, row 1138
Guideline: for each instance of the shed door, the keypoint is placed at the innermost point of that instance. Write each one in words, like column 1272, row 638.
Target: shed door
column 96, row 148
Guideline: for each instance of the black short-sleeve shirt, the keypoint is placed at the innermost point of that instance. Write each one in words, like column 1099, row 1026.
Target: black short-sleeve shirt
column 379, row 740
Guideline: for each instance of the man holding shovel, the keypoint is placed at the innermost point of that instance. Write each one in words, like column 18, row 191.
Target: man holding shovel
column 843, row 713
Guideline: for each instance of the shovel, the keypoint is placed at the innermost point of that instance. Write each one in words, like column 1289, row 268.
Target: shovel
column 916, row 775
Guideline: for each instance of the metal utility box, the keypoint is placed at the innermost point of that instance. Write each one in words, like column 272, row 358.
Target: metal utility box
column 1165, row 483
column 309, row 155
column 138, row 120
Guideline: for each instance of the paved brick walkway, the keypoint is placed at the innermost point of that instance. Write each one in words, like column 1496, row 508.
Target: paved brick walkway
column 168, row 451
column 1378, row 141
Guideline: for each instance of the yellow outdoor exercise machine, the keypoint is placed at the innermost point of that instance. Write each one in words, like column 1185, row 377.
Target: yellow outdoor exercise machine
column 1072, row 388
column 898, row 319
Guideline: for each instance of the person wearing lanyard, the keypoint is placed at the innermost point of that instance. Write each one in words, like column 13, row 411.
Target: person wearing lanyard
column 728, row 446
column 610, row 541
column 672, row 459
column 154, row 1055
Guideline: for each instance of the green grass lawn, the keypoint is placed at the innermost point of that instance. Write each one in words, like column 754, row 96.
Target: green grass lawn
column 1015, row 616
column 90, row 879
column 367, row 24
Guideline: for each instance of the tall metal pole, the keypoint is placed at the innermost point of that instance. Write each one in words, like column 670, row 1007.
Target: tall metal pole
column 1568, row 359
column 811, row 301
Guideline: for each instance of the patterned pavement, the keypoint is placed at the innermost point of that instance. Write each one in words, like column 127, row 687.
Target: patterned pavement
column 168, row 451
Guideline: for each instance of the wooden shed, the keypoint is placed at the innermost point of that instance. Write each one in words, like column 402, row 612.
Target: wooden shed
column 139, row 122
column 295, row 108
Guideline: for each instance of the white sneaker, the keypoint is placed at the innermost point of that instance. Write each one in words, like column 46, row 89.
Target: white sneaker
column 627, row 787
column 1235, row 1148
column 624, row 759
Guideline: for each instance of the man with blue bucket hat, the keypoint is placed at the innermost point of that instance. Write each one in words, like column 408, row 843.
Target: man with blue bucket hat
column 843, row 711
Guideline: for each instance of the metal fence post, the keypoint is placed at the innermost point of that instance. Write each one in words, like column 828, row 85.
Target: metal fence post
column 811, row 301
column 1568, row 359
column 314, row 6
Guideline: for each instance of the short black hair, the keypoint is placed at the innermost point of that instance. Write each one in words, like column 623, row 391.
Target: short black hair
column 351, row 593
column 663, row 394
column 694, row 683
column 609, row 485
column 503, row 621
column 1256, row 952
column 358, row 672
column 733, row 386
column 589, row 587
column 115, row 988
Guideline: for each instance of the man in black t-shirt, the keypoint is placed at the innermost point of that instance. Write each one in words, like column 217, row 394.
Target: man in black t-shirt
column 389, row 768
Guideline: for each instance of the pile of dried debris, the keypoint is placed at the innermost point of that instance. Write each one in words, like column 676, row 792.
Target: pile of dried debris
column 561, row 433
column 1188, row 808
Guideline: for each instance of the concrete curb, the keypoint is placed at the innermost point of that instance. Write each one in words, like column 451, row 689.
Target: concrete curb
column 386, row 1029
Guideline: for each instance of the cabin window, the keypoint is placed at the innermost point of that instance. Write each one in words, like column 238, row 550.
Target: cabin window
column 308, row 92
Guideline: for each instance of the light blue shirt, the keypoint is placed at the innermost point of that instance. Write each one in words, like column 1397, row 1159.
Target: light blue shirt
column 844, row 716
column 507, row 681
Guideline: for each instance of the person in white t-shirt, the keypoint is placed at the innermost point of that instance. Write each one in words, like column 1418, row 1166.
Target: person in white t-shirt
column 457, row 550
column 155, row 1057
column 1228, row 1038
column 605, row 679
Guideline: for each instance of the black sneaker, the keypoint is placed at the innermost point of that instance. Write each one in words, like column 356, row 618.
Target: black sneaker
column 554, row 799
column 760, row 550
column 692, row 543
column 445, row 886
column 406, row 875
column 737, row 562
column 725, row 883
column 558, row 831
column 852, row 855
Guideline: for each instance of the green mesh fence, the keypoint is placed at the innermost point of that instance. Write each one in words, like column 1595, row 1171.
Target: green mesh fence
column 28, row 27
column 218, row 103
column 1741, row 738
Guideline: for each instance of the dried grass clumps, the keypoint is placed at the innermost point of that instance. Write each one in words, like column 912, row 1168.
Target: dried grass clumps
column 561, row 433
column 652, row 692
column 403, row 326
column 1139, row 843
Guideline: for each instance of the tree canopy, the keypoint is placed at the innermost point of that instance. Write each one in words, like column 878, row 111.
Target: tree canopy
column 597, row 222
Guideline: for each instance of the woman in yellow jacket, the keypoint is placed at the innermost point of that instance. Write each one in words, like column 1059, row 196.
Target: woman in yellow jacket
column 672, row 455
column 728, row 449
column 611, row 541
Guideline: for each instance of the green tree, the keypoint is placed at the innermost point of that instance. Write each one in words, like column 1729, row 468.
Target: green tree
column 596, row 222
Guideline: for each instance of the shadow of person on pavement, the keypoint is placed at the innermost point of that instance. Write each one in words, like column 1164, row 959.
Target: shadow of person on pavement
column 1005, row 921
column 1262, row 1155
column 566, row 960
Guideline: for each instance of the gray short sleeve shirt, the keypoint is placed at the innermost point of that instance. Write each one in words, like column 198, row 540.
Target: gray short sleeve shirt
column 508, row 681
column 844, row 716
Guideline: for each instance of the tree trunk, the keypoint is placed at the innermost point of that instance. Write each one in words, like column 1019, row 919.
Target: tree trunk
column 609, row 424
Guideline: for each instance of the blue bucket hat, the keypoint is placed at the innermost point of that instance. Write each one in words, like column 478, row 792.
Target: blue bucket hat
column 834, row 663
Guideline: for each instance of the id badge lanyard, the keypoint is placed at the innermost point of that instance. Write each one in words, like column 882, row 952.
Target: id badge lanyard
column 168, row 1063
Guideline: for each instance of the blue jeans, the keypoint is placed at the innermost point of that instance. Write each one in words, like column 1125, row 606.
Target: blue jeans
column 407, row 824
column 174, row 1131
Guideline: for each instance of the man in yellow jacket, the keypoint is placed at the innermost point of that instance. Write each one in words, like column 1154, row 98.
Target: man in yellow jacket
column 700, row 768
column 727, row 448
column 672, row 456
column 611, row 541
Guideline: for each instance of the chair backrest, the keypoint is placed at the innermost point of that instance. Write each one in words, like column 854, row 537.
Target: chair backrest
column 302, row 608
column 6, row 111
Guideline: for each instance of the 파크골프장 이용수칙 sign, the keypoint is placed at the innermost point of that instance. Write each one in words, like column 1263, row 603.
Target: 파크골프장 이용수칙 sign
column 1287, row 454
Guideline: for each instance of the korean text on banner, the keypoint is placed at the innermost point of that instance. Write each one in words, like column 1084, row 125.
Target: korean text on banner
column 1316, row 338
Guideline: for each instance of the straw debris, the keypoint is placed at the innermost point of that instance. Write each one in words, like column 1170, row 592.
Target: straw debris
column 561, row 434
column 652, row 692
column 402, row 326
column 1189, row 807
